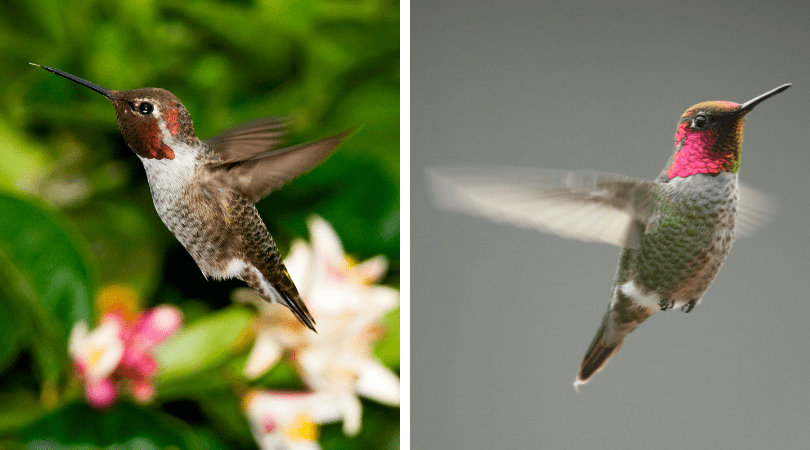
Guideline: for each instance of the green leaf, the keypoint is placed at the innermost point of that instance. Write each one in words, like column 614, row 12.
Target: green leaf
column 214, row 393
column 210, row 440
column 49, row 255
column 124, row 426
column 45, row 279
column 23, row 158
column 224, row 409
column 12, row 333
column 202, row 345
column 21, row 407
column 387, row 349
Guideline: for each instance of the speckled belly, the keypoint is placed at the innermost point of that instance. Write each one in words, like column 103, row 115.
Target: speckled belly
column 686, row 243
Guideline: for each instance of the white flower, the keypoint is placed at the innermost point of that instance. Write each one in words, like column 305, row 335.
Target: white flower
column 289, row 421
column 97, row 353
column 346, row 367
column 348, row 308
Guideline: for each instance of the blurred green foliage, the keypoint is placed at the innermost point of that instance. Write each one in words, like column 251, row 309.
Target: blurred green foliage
column 77, row 213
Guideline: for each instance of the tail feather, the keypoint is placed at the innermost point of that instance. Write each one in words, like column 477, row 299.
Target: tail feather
column 598, row 354
column 624, row 316
column 300, row 310
column 283, row 292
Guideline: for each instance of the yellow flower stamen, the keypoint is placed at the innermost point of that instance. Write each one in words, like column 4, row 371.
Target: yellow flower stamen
column 351, row 272
column 93, row 356
column 350, row 262
column 302, row 428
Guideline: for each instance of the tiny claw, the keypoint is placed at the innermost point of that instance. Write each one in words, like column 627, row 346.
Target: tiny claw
column 688, row 307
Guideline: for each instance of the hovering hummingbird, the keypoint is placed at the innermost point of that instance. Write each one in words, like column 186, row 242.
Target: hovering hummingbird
column 204, row 191
column 675, row 232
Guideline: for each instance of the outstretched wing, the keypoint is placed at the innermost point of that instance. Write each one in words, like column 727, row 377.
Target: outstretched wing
column 589, row 206
column 755, row 210
column 250, row 138
column 254, row 175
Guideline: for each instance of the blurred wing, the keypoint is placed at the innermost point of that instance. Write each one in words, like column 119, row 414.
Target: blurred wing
column 251, row 138
column 755, row 210
column 589, row 206
column 259, row 174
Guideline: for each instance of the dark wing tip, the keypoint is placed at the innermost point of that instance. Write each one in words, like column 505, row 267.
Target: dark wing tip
column 340, row 137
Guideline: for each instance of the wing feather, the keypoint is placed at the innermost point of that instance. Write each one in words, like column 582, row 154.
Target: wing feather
column 251, row 138
column 754, row 211
column 589, row 206
column 256, row 175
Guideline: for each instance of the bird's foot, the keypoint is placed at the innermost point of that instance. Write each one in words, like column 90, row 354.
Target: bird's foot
column 688, row 307
column 665, row 305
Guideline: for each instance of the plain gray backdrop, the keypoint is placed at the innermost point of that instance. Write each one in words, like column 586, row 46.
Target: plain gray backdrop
column 501, row 316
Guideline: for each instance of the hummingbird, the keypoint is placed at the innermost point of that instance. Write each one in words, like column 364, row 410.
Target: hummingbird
column 675, row 232
column 204, row 191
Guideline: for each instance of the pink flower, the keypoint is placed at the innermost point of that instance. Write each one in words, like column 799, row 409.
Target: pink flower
column 119, row 351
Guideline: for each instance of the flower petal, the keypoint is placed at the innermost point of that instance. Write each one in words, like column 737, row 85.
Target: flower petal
column 78, row 336
column 384, row 298
column 303, row 445
column 271, row 441
column 324, row 238
column 100, row 394
column 156, row 325
column 299, row 265
column 372, row 269
column 283, row 407
column 266, row 352
column 97, row 352
column 352, row 413
column 378, row 383
column 137, row 366
column 324, row 407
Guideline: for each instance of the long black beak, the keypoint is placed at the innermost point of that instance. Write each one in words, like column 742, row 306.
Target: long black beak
column 101, row 90
column 746, row 107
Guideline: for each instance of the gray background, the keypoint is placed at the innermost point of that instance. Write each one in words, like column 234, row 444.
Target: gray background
column 501, row 316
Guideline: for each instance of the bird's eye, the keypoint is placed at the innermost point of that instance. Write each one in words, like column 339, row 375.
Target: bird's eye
column 145, row 108
column 701, row 122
